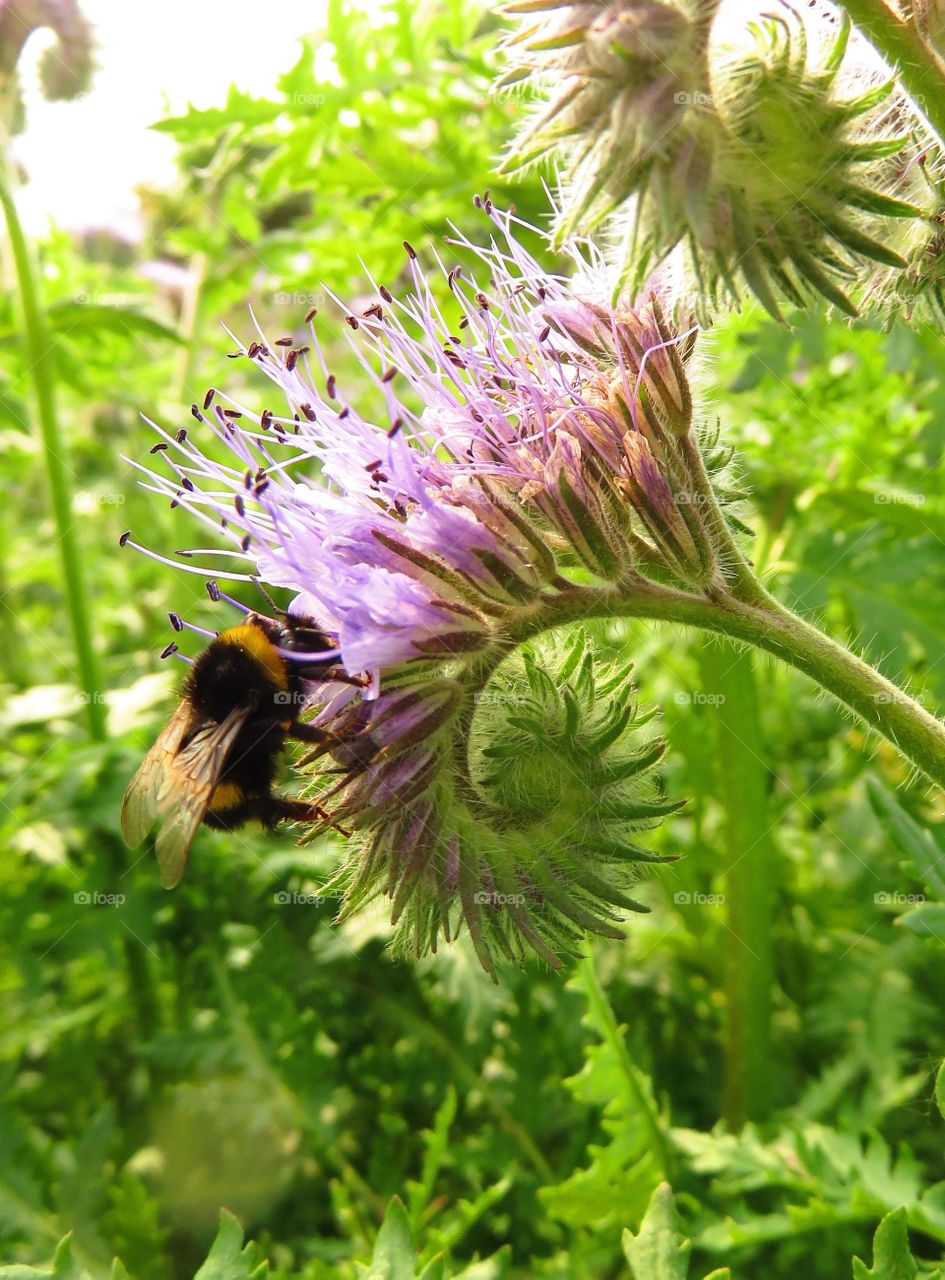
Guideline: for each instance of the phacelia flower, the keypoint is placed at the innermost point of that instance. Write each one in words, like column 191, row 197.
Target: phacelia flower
column 755, row 161
column 533, row 438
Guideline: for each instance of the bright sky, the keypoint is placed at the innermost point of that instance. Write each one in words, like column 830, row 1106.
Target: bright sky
column 84, row 157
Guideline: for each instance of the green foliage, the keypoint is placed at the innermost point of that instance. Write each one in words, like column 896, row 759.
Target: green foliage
column 892, row 1259
column 616, row 1185
column 165, row 1057
column 658, row 1252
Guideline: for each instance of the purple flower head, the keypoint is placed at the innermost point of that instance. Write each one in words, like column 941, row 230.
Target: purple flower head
column 528, row 428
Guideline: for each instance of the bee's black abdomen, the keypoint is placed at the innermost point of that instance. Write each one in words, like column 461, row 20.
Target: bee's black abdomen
column 231, row 818
column 262, row 807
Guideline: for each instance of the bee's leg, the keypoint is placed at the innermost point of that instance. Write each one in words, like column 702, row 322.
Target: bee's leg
column 355, row 750
column 305, row 732
column 322, row 675
column 284, row 809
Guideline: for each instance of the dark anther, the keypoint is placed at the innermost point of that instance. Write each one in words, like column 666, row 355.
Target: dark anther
column 213, row 591
column 159, row 447
column 208, row 398
column 124, row 538
column 176, row 622
column 168, row 650
column 411, row 252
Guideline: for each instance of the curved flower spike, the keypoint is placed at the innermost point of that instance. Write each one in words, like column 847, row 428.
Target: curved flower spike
column 511, row 808
column 533, row 436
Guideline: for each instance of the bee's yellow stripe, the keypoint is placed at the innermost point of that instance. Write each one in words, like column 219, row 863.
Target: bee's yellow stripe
column 226, row 795
column 254, row 641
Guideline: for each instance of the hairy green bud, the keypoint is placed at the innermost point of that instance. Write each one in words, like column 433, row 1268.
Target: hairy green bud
column 510, row 801
column 756, row 163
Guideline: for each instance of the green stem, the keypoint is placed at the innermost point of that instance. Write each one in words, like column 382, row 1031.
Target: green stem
column 767, row 625
column 917, row 65
column 39, row 357
column 750, row 858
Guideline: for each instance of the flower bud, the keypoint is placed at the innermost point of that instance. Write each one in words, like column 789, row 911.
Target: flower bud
column 516, row 815
column 753, row 161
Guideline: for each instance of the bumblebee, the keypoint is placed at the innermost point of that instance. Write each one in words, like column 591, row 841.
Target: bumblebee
column 216, row 760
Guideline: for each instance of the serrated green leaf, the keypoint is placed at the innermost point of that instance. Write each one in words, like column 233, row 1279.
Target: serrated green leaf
column 228, row 1259
column 658, row 1251
column 394, row 1257
column 927, row 920
column 436, row 1141
column 892, row 1258
column 926, row 858
column 622, row 1173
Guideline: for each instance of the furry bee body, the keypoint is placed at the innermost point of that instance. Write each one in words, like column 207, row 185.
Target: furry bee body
column 218, row 758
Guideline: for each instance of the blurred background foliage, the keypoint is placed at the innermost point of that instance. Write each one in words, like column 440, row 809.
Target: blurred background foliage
column 164, row 1056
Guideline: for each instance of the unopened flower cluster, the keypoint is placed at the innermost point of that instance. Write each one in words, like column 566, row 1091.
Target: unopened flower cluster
column 781, row 161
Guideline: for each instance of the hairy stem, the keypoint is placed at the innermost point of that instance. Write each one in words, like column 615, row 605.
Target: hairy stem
column 771, row 626
column 39, row 357
column 920, row 70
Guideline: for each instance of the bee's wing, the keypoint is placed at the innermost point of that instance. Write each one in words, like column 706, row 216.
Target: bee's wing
column 174, row 784
column 139, row 809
